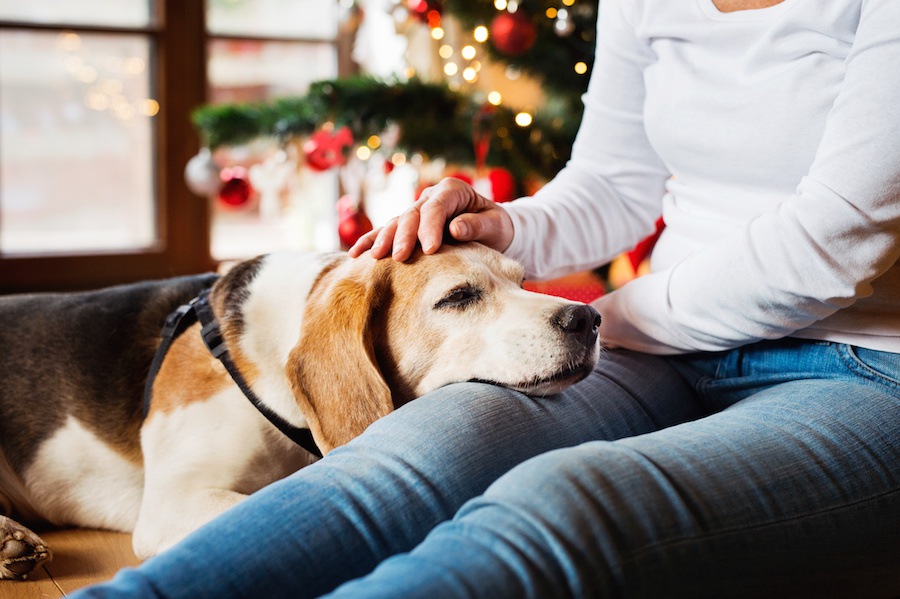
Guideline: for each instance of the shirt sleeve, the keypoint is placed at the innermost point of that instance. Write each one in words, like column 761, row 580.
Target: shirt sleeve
column 608, row 196
column 818, row 252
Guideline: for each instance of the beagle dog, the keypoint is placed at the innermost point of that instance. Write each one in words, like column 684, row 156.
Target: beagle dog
column 327, row 343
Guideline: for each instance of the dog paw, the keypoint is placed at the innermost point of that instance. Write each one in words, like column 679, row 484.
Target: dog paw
column 21, row 551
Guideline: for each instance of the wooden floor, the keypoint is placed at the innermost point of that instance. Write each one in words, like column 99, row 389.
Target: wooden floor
column 80, row 558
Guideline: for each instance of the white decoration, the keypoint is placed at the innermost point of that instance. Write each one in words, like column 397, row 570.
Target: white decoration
column 201, row 174
column 378, row 49
column 270, row 178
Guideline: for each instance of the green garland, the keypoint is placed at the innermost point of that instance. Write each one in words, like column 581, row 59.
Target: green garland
column 432, row 120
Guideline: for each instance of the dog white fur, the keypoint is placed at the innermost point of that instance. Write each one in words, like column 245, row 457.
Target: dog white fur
column 328, row 342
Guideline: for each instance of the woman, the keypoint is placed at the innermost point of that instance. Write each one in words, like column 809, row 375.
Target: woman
column 741, row 435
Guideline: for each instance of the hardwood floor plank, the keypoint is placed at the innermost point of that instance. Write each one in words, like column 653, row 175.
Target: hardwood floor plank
column 80, row 558
column 84, row 557
column 38, row 586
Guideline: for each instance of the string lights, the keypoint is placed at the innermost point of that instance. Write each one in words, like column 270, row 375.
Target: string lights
column 106, row 77
column 549, row 41
column 508, row 30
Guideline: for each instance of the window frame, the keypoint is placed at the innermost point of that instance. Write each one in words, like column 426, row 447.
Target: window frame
column 178, row 40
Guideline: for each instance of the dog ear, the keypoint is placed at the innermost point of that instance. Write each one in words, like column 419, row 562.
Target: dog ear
column 333, row 371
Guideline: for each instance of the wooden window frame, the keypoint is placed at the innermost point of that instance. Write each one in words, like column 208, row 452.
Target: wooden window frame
column 178, row 47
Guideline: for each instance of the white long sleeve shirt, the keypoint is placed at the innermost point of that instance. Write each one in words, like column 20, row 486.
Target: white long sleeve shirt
column 769, row 140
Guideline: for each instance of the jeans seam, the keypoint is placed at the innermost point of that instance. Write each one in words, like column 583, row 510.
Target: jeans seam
column 746, row 528
column 856, row 365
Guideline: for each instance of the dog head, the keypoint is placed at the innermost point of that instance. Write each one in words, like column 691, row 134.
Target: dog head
column 375, row 334
column 352, row 339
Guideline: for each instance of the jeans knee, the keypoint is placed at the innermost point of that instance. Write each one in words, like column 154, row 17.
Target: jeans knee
column 560, row 473
column 545, row 521
column 467, row 404
column 446, row 446
column 460, row 414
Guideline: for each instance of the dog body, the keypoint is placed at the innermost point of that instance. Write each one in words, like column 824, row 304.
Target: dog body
column 327, row 342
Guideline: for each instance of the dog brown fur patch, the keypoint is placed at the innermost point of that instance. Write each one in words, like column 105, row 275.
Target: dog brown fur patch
column 188, row 374
column 401, row 328
column 333, row 370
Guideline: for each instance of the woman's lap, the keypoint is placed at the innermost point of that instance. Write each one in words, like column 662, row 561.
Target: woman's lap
column 382, row 494
column 794, row 490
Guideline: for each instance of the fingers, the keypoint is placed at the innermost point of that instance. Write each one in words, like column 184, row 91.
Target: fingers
column 380, row 240
column 367, row 241
column 397, row 238
column 407, row 232
column 471, row 217
column 384, row 241
column 442, row 202
column 434, row 216
column 422, row 223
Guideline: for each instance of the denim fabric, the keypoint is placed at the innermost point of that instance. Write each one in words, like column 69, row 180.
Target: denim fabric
column 770, row 470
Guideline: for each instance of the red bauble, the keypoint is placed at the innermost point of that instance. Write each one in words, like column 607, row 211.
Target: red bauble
column 352, row 221
column 426, row 11
column 326, row 148
column 643, row 249
column 422, row 187
column 236, row 190
column 513, row 33
column 503, row 184
column 462, row 176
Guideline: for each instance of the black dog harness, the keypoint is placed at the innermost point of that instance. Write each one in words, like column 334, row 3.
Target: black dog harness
column 199, row 309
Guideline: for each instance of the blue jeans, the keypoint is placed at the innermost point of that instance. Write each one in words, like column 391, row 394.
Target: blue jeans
column 770, row 470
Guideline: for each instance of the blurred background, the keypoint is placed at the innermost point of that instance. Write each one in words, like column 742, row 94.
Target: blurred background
column 143, row 139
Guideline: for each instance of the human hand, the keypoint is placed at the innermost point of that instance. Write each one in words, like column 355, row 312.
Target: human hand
column 471, row 217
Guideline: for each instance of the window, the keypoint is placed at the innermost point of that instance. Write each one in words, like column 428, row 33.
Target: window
column 96, row 99
column 77, row 110
column 262, row 49
column 95, row 103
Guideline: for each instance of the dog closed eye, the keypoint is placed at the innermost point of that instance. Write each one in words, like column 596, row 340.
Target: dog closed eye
column 460, row 297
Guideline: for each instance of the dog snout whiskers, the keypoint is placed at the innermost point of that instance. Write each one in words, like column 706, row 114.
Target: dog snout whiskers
column 580, row 320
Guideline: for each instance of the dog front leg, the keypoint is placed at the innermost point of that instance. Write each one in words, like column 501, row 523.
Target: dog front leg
column 166, row 518
column 21, row 551
column 202, row 458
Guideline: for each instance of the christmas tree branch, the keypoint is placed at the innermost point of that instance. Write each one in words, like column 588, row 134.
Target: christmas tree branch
column 432, row 120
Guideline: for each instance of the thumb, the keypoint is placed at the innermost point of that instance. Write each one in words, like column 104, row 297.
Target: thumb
column 468, row 227
column 493, row 228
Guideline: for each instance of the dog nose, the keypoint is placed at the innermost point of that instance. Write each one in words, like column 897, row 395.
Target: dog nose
column 580, row 320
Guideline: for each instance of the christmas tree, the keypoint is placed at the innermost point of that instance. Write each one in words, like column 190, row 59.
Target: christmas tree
column 441, row 116
column 549, row 40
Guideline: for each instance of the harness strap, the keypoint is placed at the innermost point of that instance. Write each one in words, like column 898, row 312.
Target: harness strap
column 176, row 323
column 199, row 309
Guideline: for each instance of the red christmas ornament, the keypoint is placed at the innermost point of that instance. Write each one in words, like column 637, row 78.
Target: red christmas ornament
column 352, row 221
column 422, row 187
column 513, row 33
column 236, row 190
column 462, row 176
column 426, row 11
column 643, row 249
column 503, row 184
column 327, row 149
